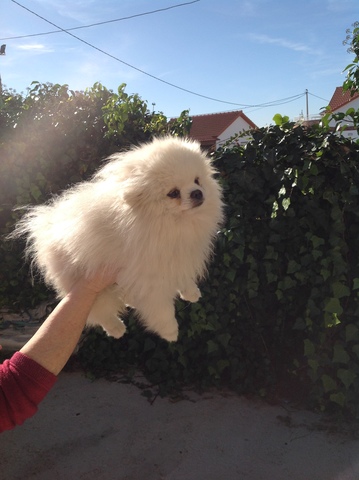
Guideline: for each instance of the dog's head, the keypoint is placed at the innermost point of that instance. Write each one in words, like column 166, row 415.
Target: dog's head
column 169, row 175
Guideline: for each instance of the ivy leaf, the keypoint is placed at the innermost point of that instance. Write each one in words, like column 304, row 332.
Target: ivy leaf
column 328, row 383
column 212, row 346
column 340, row 355
column 309, row 348
column 346, row 376
column 340, row 290
column 338, row 398
column 351, row 333
column 224, row 339
column 332, row 305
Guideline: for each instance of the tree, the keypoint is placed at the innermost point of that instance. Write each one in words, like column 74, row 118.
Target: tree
column 351, row 82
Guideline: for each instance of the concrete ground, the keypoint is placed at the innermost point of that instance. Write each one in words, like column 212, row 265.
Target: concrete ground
column 108, row 431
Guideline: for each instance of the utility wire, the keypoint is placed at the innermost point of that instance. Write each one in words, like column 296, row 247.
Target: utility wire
column 320, row 98
column 126, row 63
column 275, row 103
column 263, row 105
column 101, row 23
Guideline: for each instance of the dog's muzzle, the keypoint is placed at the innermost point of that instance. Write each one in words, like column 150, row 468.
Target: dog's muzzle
column 196, row 198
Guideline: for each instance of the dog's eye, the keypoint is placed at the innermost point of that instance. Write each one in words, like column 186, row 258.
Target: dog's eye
column 175, row 193
column 196, row 181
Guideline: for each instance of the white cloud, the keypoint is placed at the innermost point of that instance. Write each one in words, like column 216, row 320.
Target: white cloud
column 81, row 11
column 35, row 48
column 284, row 43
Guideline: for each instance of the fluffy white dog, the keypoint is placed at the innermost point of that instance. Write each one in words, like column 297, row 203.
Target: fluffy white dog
column 151, row 213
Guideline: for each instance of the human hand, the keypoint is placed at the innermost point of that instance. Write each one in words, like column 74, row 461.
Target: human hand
column 97, row 281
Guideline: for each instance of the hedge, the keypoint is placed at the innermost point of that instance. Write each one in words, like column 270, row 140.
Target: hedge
column 281, row 301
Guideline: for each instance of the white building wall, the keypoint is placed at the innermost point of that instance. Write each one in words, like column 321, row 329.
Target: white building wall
column 347, row 133
column 238, row 126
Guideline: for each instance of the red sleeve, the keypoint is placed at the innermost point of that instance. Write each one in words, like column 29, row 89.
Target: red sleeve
column 23, row 384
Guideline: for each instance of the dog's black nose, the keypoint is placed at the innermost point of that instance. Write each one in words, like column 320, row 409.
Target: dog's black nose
column 197, row 195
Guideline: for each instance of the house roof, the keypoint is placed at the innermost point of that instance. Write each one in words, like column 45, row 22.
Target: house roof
column 207, row 128
column 341, row 98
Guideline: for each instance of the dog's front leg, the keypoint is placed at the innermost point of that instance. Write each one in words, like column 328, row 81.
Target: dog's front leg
column 190, row 292
column 105, row 312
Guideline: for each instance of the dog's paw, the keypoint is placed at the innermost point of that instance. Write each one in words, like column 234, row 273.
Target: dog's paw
column 191, row 295
column 171, row 333
column 170, row 337
column 116, row 330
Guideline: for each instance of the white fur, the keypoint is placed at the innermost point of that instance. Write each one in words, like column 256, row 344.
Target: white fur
column 123, row 220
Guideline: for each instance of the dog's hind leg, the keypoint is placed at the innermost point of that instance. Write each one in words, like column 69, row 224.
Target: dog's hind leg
column 105, row 312
column 158, row 315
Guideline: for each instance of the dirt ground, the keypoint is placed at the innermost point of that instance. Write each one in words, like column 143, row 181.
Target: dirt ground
column 108, row 431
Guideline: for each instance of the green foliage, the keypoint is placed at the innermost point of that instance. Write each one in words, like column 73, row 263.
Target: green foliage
column 351, row 81
column 281, row 300
column 293, row 241
column 350, row 84
column 280, row 120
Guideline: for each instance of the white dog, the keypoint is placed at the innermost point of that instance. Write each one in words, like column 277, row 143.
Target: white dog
column 151, row 213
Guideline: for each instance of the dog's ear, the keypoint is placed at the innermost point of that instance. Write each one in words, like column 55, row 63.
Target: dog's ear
column 136, row 190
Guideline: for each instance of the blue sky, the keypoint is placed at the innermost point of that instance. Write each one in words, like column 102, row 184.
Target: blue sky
column 245, row 52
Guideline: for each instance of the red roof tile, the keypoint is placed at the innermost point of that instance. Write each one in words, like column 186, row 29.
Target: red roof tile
column 207, row 128
column 341, row 98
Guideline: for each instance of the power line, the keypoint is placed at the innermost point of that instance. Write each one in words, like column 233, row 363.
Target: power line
column 126, row 63
column 276, row 103
column 100, row 23
column 263, row 105
column 320, row 98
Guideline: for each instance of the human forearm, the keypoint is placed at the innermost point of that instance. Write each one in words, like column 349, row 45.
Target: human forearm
column 54, row 342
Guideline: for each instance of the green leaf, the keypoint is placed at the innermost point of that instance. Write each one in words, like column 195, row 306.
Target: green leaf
column 313, row 365
column 35, row 191
column 212, row 346
column 280, row 120
column 332, row 305
column 328, row 383
column 340, row 355
column 293, row 266
column 239, row 253
column 338, row 398
column 226, row 259
column 351, row 333
column 285, row 203
column 271, row 277
column 316, row 241
column 355, row 349
column 231, row 275
column 270, row 254
column 346, row 376
column 224, row 339
column 309, row 348
column 331, row 320
column 340, row 290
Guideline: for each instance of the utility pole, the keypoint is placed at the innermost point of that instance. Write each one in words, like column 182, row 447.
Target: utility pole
column 306, row 103
column 2, row 52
